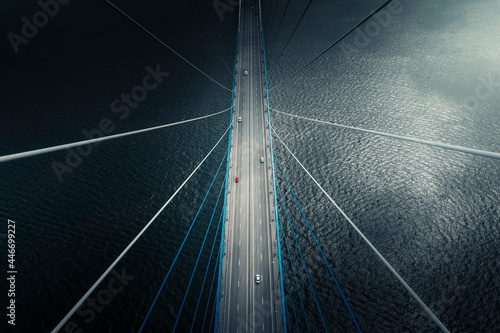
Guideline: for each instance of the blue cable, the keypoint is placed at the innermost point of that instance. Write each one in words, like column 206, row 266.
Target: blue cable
column 179, row 251
column 288, row 282
column 198, row 259
column 322, row 255
column 295, row 276
column 210, row 293
column 212, row 317
column 303, row 263
column 286, row 306
column 206, row 270
column 290, row 292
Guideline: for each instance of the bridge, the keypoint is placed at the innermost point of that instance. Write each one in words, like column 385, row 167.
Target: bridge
column 248, row 306
column 254, row 232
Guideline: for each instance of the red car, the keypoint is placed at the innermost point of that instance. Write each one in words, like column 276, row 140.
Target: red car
column 236, row 180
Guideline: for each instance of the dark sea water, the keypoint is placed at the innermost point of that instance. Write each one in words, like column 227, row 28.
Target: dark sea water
column 62, row 83
column 434, row 214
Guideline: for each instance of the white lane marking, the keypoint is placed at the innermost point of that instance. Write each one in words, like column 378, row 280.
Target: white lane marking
column 260, row 222
column 261, row 257
column 239, row 243
column 262, row 300
column 261, row 238
column 259, row 205
column 237, row 307
column 238, row 262
column 238, row 283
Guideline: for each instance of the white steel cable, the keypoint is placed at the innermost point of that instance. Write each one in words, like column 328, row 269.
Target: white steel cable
column 162, row 43
column 406, row 138
column 29, row 153
column 386, row 263
column 87, row 294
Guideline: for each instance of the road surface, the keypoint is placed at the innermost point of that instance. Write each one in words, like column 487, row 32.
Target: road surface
column 246, row 305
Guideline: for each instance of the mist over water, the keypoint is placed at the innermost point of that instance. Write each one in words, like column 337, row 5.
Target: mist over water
column 429, row 72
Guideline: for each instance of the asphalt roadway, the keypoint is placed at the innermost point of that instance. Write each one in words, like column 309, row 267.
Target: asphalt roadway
column 248, row 306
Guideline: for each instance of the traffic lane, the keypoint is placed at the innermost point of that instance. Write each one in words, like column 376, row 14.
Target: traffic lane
column 252, row 180
column 239, row 292
column 268, row 277
column 262, row 234
column 239, row 262
column 263, row 293
column 257, row 206
column 239, row 286
column 240, row 253
column 232, row 251
column 244, row 188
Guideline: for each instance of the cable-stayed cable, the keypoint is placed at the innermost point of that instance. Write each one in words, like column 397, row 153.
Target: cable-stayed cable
column 162, row 43
column 35, row 152
column 321, row 251
column 87, row 294
column 218, row 19
column 302, row 259
column 386, row 263
column 210, row 38
column 210, row 292
column 199, row 254
column 212, row 317
column 268, row 10
column 336, row 42
column 287, row 317
column 288, row 283
column 295, row 29
column 295, row 275
column 272, row 44
column 206, row 270
column 180, row 248
column 272, row 20
column 405, row 138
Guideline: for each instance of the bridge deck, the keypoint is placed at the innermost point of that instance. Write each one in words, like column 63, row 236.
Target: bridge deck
column 250, row 232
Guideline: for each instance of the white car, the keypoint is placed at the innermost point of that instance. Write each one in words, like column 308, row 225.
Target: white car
column 246, row 72
column 257, row 278
column 239, row 119
column 262, row 160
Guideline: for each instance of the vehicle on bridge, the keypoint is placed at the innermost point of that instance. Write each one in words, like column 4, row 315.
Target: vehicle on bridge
column 246, row 72
column 262, row 160
column 257, row 278
column 239, row 119
column 236, row 179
